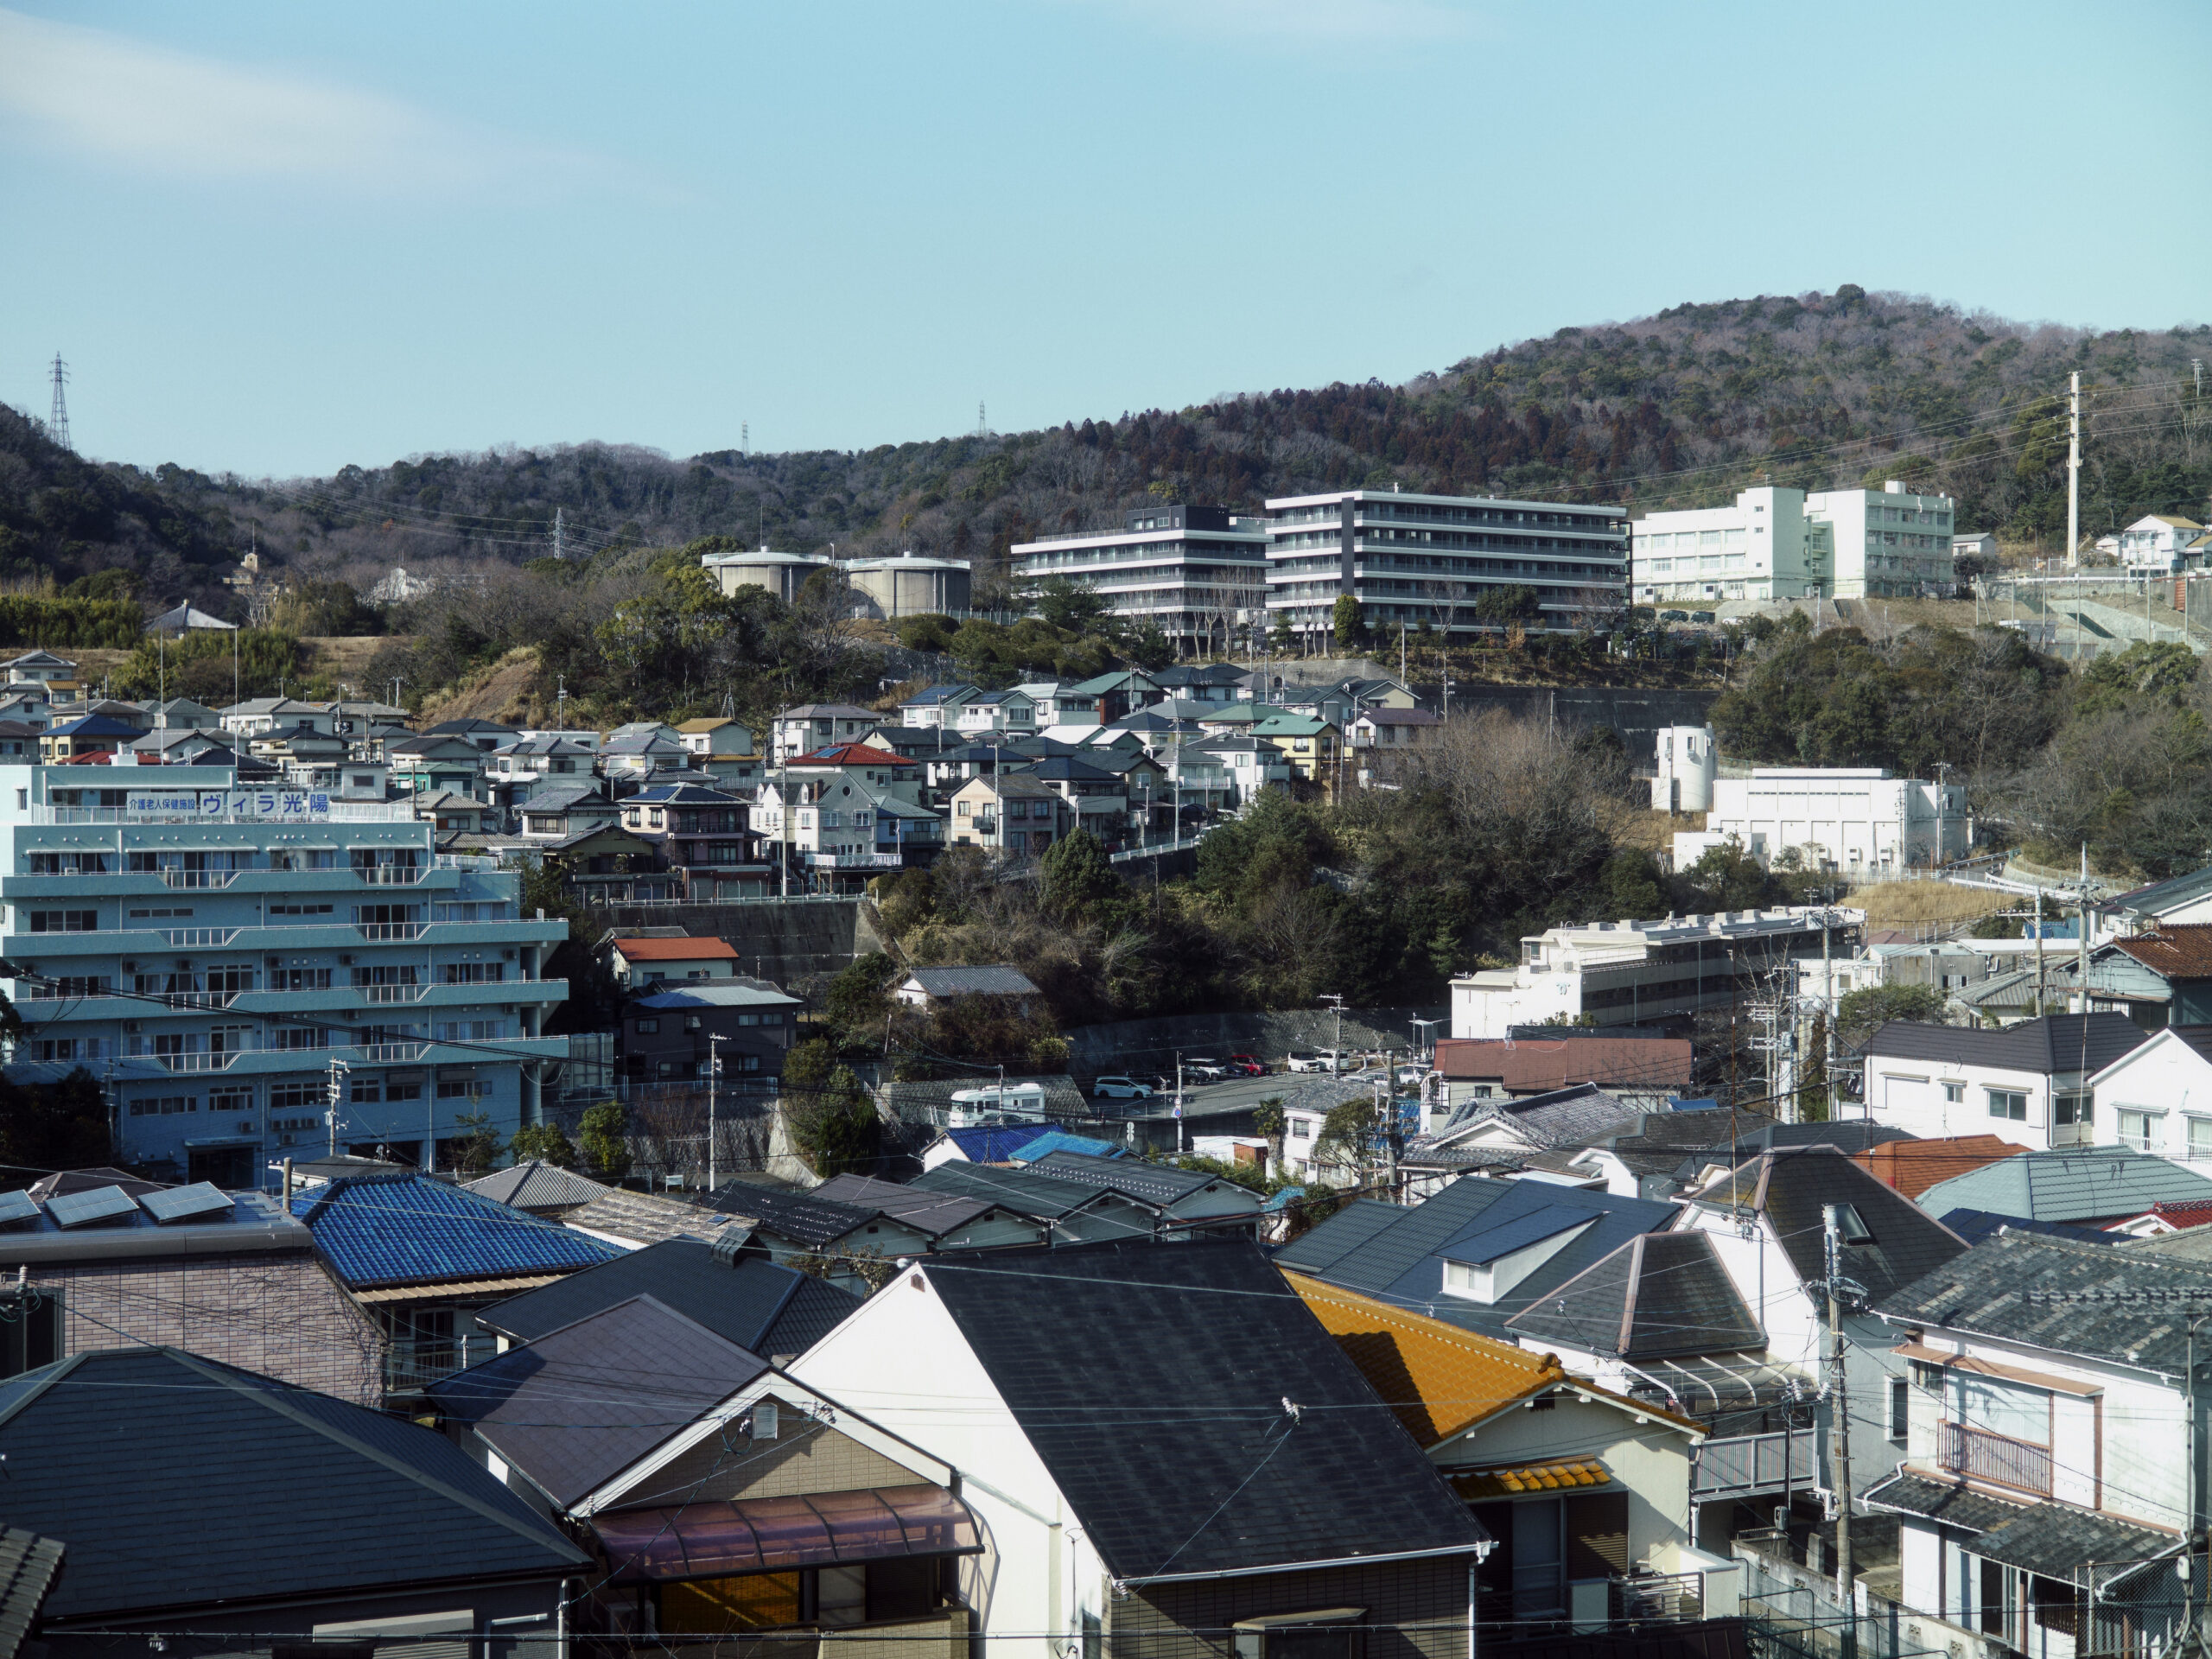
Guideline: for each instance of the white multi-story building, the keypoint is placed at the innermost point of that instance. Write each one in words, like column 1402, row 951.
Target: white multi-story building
column 2161, row 544
column 1850, row 818
column 1411, row 559
column 220, row 959
column 1630, row 973
column 1194, row 573
column 1777, row 542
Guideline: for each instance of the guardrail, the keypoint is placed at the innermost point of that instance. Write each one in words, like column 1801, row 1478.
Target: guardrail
column 393, row 993
column 380, row 1054
column 1742, row 1464
column 191, row 1063
column 197, row 881
column 389, row 933
column 1983, row 1456
column 409, row 1367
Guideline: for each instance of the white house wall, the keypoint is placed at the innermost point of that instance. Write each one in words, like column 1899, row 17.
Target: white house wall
column 2164, row 1076
column 1908, row 1094
column 901, row 1361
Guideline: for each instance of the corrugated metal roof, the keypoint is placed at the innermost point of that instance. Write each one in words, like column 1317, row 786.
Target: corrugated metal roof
column 534, row 1184
column 2078, row 1184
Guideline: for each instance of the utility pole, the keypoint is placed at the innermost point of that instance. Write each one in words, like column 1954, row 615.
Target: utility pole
column 2074, row 471
column 713, row 1076
column 57, row 423
column 557, row 533
column 2039, row 980
column 338, row 1070
column 1336, row 1043
column 1839, row 1422
column 1827, row 1022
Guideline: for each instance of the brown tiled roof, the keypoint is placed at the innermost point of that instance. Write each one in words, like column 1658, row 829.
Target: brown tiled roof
column 1538, row 1066
column 2176, row 951
column 674, row 950
column 1913, row 1167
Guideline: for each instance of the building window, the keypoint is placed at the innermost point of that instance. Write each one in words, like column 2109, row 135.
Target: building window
column 2008, row 1103
column 2200, row 1137
column 1900, row 1409
column 647, row 1027
column 2143, row 1131
column 1953, row 1093
column 2070, row 1106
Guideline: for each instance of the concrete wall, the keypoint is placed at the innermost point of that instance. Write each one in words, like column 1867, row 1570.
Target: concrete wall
column 1150, row 1044
column 798, row 943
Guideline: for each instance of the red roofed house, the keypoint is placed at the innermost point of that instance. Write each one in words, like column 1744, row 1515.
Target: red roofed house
column 638, row 962
column 1476, row 1067
column 1912, row 1167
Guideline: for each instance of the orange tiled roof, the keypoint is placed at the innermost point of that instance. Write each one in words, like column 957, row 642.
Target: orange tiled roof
column 2176, row 950
column 674, row 950
column 1435, row 1376
column 1913, row 1167
column 1531, row 1477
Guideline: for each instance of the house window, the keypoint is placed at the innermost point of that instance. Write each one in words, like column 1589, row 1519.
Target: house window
column 646, row 1027
column 1900, row 1409
column 2144, row 1131
column 1953, row 1093
column 2200, row 1137
column 2008, row 1103
column 2070, row 1106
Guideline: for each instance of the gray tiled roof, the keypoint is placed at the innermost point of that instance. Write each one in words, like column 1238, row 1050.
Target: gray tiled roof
column 1213, row 1328
column 647, row 1218
column 1790, row 1187
column 1023, row 1191
column 1398, row 1255
column 930, row 1214
column 1936, row 1500
column 535, row 1186
column 2055, row 1043
column 992, row 980
column 2003, row 1288
column 27, row 1564
column 2058, row 1540
column 2074, row 1184
column 172, row 1508
column 1154, row 1184
column 578, row 1406
column 1573, row 1116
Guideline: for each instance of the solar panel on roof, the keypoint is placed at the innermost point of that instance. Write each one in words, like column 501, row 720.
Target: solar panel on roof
column 195, row 1203
column 86, row 1209
column 16, row 1208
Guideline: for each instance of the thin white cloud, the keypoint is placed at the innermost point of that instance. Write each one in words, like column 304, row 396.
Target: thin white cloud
column 150, row 110
column 1309, row 23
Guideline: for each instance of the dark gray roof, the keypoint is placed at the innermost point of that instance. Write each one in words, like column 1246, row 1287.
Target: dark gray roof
column 1023, row 1191
column 168, row 1505
column 804, row 1219
column 2054, row 1043
column 1791, row 1186
column 1161, row 1185
column 1937, row 1500
column 1976, row 1226
column 2004, row 1288
column 758, row 1305
column 2077, row 1184
column 1210, row 1327
column 1399, row 1257
column 27, row 1564
column 1660, row 1293
column 534, row 1186
column 578, row 1406
column 930, row 1214
column 2058, row 1541
column 993, row 981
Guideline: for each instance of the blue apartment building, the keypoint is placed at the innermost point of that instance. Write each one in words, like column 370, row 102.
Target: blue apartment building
column 236, row 964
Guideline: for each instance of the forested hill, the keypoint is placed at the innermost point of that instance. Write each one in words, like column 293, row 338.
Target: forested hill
column 1681, row 409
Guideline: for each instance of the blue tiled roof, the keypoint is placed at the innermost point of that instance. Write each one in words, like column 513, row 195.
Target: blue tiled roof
column 997, row 1143
column 407, row 1229
column 1060, row 1141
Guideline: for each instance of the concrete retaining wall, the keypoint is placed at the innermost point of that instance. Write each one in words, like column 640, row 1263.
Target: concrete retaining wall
column 1151, row 1045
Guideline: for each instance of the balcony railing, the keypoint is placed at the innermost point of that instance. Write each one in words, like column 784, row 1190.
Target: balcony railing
column 412, row 1366
column 197, row 881
column 1743, row 1466
column 199, row 938
column 1982, row 1456
column 187, row 1063
column 390, row 875
column 393, row 993
column 381, row 1053
column 1659, row 1595
column 389, row 933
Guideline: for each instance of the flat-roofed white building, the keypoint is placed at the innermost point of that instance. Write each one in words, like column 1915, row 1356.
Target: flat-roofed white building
column 1410, row 559
column 1848, row 818
column 1775, row 542
column 1192, row 572
column 1630, row 973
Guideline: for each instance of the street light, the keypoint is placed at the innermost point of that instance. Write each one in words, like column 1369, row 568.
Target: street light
column 714, row 1041
column 1336, row 1043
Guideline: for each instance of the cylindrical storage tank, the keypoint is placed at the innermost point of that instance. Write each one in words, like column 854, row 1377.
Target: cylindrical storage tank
column 781, row 573
column 907, row 585
column 1691, row 757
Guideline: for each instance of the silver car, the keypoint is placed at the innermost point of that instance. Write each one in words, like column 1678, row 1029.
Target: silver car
column 1120, row 1088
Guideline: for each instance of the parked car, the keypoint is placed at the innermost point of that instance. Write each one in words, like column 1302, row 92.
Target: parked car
column 1210, row 1070
column 1674, row 616
column 1011, row 1102
column 1312, row 1059
column 1409, row 1075
column 1121, row 1088
column 1247, row 1065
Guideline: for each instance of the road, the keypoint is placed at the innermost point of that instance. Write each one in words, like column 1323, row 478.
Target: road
column 1301, row 1088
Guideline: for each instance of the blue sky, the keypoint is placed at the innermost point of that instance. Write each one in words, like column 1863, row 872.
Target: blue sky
column 275, row 238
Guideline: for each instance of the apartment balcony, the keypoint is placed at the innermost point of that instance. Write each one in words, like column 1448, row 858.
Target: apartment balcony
column 379, row 995
column 390, row 875
column 1980, row 1455
column 195, row 880
column 409, row 1367
column 1747, row 1465
column 221, row 1060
